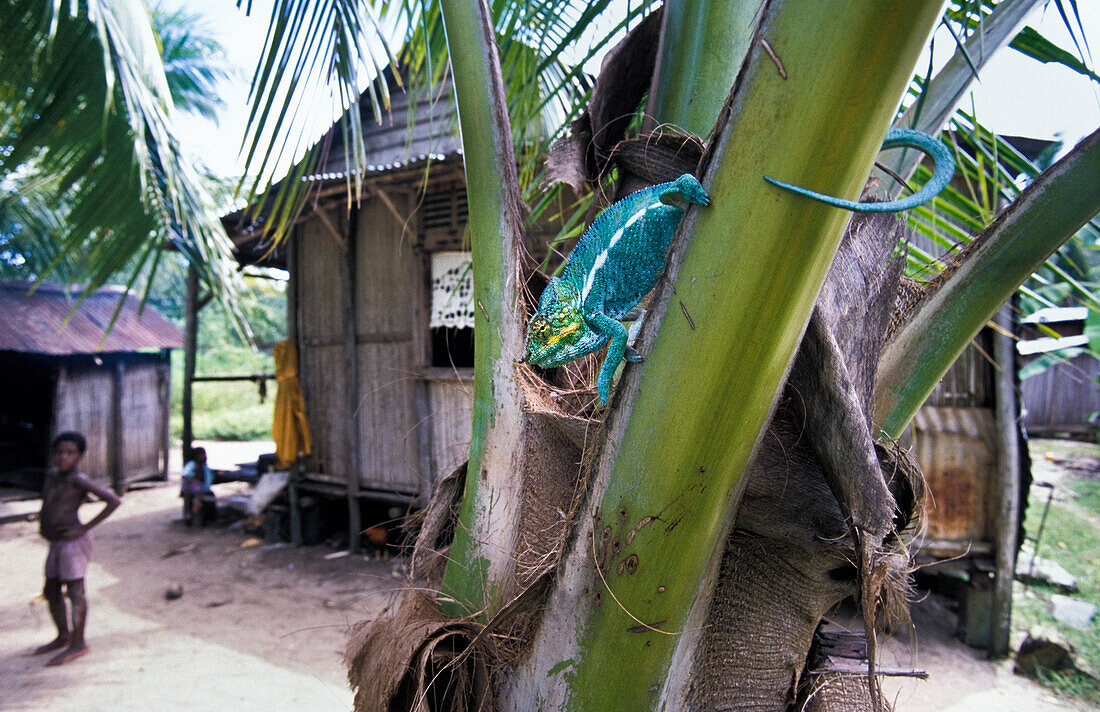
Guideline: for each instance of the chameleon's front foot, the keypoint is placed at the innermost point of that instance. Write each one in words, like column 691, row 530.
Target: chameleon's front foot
column 603, row 388
column 607, row 373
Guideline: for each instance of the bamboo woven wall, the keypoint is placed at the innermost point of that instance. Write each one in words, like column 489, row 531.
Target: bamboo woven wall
column 143, row 419
column 451, row 422
column 321, row 357
column 399, row 451
column 387, row 284
column 84, row 402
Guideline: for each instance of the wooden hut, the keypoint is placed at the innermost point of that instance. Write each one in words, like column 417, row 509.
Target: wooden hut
column 379, row 306
column 60, row 373
column 1064, row 397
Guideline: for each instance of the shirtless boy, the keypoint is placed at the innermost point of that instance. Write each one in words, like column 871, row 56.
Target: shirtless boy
column 70, row 545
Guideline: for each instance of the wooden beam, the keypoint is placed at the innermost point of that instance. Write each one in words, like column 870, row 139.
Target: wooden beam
column 396, row 337
column 327, row 222
column 351, row 361
column 190, row 346
column 1007, row 484
column 376, row 190
column 164, row 400
column 295, row 474
column 422, row 401
column 115, row 459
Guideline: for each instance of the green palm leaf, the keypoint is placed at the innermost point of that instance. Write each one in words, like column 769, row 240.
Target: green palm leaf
column 84, row 99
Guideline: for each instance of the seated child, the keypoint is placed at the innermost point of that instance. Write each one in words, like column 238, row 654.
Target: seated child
column 195, row 482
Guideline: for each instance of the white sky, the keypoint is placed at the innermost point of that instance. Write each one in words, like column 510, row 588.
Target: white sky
column 1016, row 96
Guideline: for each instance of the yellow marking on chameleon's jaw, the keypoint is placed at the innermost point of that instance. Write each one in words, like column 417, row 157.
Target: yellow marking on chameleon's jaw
column 566, row 331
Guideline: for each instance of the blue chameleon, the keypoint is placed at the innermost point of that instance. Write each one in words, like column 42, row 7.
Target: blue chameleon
column 621, row 256
column 616, row 262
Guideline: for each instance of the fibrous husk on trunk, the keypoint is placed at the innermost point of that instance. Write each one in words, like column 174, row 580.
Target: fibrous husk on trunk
column 412, row 657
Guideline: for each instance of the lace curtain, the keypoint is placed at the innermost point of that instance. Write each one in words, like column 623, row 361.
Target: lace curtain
column 452, row 290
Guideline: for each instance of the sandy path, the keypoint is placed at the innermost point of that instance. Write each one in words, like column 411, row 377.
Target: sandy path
column 256, row 629
column 962, row 679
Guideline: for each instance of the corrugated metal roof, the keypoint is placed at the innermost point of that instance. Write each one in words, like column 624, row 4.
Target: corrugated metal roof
column 35, row 323
column 416, row 132
column 395, row 165
column 415, row 128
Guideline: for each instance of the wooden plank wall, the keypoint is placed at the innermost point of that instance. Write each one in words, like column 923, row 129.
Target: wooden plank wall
column 83, row 403
column 451, row 421
column 321, row 344
column 143, row 417
column 412, row 422
column 1061, row 398
column 388, row 283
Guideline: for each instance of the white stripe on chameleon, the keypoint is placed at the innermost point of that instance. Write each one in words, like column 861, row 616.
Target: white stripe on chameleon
column 602, row 257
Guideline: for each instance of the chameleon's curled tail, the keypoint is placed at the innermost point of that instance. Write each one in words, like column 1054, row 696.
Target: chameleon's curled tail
column 941, row 155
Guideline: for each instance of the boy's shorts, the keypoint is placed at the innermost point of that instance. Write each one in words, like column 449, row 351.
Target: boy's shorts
column 68, row 560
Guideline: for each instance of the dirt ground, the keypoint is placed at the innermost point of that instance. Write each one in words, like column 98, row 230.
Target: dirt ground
column 262, row 629
column 259, row 628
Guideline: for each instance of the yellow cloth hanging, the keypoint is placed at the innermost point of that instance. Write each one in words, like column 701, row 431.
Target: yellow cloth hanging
column 289, row 428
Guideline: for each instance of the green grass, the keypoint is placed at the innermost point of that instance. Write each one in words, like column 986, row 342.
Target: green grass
column 1072, row 538
column 225, row 410
column 1088, row 493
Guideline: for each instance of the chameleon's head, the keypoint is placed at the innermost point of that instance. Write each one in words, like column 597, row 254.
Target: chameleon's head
column 558, row 334
column 689, row 190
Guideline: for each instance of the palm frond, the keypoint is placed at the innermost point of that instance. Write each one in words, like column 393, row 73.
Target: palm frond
column 194, row 63
column 85, row 101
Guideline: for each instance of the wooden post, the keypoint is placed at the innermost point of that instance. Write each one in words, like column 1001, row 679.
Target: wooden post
column 164, row 400
column 115, row 458
column 1008, row 485
column 190, row 346
column 294, row 474
column 426, row 460
column 351, row 360
column 422, row 389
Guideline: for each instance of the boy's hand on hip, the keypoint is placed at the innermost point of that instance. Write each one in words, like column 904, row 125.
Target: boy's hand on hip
column 74, row 531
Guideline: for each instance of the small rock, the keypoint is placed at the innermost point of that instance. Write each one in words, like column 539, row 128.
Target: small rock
column 178, row 550
column 1044, row 649
column 1045, row 571
column 174, row 592
column 1072, row 611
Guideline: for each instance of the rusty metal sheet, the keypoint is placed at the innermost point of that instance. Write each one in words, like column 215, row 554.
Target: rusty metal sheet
column 36, row 322
column 957, row 451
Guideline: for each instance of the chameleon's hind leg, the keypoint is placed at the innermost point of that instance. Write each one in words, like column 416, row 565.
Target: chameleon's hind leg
column 616, row 349
column 635, row 317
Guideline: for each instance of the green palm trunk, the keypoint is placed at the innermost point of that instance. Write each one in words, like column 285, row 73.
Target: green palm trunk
column 479, row 575
column 817, row 85
column 753, row 268
column 694, row 410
